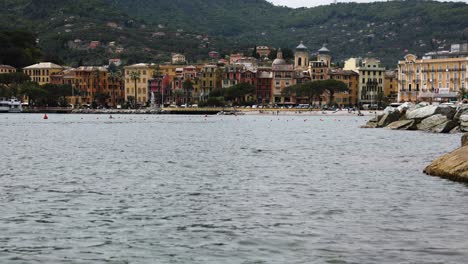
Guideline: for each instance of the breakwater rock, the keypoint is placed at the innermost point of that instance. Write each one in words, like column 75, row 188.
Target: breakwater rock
column 453, row 166
column 430, row 118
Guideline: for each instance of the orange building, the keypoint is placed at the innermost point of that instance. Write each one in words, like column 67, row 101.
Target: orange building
column 351, row 79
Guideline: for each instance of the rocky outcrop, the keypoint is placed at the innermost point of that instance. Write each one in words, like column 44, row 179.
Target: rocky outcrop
column 388, row 118
column 437, row 124
column 453, row 166
column 464, row 123
column 429, row 118
column 403, row 125
column 421, row 113
column 462, row 110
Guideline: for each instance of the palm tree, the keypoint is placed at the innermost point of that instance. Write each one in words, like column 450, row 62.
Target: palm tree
column 188, row 87
column 96, row 74
column 135, row 76
column 114, row 77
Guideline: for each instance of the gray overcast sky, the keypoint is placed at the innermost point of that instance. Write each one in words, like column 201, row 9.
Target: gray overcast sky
column 308, row 3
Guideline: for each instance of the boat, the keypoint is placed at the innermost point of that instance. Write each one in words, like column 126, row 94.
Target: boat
column 12, row 105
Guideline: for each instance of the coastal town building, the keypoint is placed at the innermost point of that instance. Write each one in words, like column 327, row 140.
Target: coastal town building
column 208, row 80
column 138, row 75
column 437, row 76
column 371, row 79
column 264, row 84
column 301, row 58
column 391, row 86
column 7, row 69
column 263, row 51
column 283, row 76
column 351, row 79
column 319, row 69
column 41, row 72
column 178, row 59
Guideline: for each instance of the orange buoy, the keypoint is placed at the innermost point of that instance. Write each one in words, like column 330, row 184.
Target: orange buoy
column 45, row 116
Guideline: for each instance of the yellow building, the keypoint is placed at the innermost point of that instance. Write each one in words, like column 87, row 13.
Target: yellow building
column 371, row 79
column 208, row 79
column 139, row 74
column 7, row 69
column 41, row 72
column 438, row 76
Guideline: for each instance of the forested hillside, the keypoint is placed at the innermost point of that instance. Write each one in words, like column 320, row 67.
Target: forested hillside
column 149, row 30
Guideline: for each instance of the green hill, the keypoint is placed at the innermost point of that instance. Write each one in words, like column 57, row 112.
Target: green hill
column 149, row 30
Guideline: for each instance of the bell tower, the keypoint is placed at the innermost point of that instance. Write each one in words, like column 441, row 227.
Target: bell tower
column 301, row 58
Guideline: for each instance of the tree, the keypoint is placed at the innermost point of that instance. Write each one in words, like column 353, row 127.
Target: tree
column 309, row 90
column 33, row 92
column 463, row 94
column 187, row 85
column 255, row 53
column 332, row 86
column 10, row 83
column 135, row 76
column 239, row 92
column 114, row 78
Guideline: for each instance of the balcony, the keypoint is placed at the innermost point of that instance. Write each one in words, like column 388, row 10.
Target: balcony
column 455, row 79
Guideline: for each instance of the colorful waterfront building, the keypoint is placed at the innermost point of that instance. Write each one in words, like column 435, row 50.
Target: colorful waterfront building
column 351, row 79
column 319, row 69
column 437, row 76
column 208, row 81
column 283, row 76
column 263, row 85
column 391, row 85
column 371, row 79
column 138, row 75
column 41, row 72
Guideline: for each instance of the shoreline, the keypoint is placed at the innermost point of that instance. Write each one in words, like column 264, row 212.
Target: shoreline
column 204, row 111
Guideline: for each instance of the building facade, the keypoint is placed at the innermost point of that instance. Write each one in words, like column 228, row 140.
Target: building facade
column 41, row 72
column 7, row 69
column 136, row 80
column 283, row 76
column 434, row 77
column 351, row 79
column 371, row 79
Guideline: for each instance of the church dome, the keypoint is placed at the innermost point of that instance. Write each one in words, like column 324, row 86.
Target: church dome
column 301, row 47
column 324, row 50
column 279, row 59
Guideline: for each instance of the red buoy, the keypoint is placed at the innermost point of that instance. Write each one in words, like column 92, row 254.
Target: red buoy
column 45, row 116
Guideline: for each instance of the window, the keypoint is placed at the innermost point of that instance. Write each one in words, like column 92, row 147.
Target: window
column 447, row 85
column 440, row 85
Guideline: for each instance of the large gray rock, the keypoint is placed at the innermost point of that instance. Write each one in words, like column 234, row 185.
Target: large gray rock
column 464, row 123
column 432, row 121
column 445, row 127
column 422, row 113
column 461, row 110
column 402, row 125
column 388, row 118
column 446, row 110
